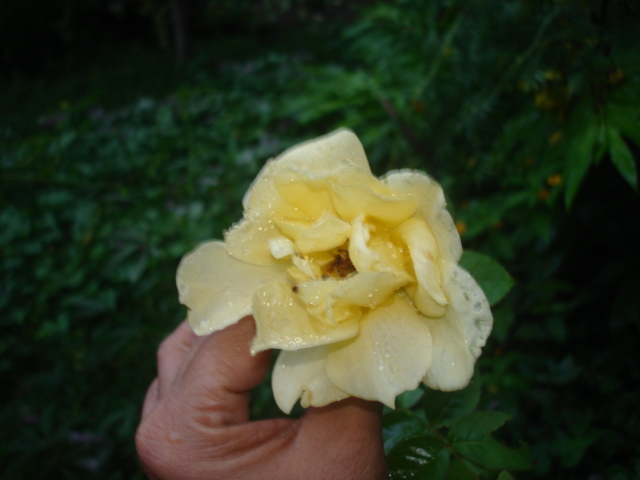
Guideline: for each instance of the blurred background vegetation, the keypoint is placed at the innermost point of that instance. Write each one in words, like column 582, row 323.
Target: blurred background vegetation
column 130, row 130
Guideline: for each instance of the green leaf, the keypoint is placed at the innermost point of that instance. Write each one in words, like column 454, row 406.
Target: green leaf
column 622, row 115
column 579, row 157
column 398, row 426
column 477, row 426
column 419, row 457
column 494, row 280
column 622, row 158
column 444, row 408
column 408, row 399
column 504, row 475
column 502, row 320
column 462, row 470
column 571, row 450
column 491, row 454
column 471, row 437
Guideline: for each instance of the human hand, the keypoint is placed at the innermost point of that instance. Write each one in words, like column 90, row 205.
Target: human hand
column 195, row 420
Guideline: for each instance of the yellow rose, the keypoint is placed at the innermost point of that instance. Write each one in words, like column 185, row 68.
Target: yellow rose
column 354, row 278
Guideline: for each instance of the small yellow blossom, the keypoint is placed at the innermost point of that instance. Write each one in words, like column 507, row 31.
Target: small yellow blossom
column 554, row 180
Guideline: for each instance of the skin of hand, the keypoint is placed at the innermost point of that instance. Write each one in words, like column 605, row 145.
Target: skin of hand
column 195, row 420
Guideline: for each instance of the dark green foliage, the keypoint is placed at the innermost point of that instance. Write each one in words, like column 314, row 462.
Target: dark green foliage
column 441, row 438
column 527, row 112
column 494, row 280
column 97, row 211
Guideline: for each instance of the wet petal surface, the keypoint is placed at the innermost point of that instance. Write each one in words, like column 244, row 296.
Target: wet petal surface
column 301, row 374
column 217, row 288
column 391, row 354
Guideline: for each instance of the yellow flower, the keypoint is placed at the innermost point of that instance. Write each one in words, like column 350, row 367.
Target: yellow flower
column 554, row 180
column 354, row 278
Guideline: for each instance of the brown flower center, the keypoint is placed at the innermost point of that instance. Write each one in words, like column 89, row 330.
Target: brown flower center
column 340, row 266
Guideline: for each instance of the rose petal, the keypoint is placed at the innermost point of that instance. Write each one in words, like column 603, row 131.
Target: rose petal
column 249, row 241
column 368, row 289
column 354, row 193
column 306, row 191
column 323, row 155
column 391, row 252
column 460, row 334
column 283, row 322
column 217, row 288
column 318, row 299
column 293, row 228
column 431, row 207
column 391, row 354
column 301, row 373
column 327, row 154
column 324, row 234
column 310, row 269
column 428, row 296
column 362, row 257
column 281, row 247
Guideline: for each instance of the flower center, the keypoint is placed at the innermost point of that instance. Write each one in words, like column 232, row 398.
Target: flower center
column 340, row 266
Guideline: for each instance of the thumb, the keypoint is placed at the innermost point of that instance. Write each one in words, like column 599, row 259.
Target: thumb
column 221, row 372
column 352, row 430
